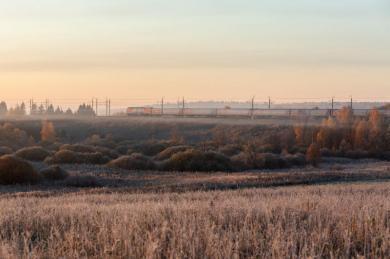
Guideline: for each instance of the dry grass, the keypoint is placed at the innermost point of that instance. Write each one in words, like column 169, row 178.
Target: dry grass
column 295, row 222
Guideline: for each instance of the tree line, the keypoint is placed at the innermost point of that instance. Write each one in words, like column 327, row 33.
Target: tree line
column 37, row 110
column 347, row 135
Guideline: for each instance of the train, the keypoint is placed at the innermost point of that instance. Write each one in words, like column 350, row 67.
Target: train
column 240, row 112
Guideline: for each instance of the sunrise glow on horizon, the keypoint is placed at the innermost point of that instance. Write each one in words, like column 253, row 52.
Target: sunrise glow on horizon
column 199, row 49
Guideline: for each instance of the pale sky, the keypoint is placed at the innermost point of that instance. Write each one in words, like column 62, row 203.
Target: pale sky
column 201, row 49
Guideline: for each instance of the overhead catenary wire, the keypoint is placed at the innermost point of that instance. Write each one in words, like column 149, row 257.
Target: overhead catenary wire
column 111, row 105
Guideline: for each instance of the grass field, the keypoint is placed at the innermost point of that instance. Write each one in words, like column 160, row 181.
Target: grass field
column 102, row 179
column 341, row 220
column 148, row 189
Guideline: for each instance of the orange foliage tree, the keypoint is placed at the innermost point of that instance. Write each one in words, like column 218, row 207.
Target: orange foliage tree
column 48, row 133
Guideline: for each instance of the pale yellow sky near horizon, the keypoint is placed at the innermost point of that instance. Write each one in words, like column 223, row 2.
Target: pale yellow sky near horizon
column 199, row 84
column 228, row 50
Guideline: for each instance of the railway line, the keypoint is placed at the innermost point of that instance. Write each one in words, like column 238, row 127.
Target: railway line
column 241, row 112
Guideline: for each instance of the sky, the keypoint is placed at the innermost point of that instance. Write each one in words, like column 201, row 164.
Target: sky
column 200, row 49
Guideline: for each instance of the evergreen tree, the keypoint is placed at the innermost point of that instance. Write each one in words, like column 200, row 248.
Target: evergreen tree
column 3, row 108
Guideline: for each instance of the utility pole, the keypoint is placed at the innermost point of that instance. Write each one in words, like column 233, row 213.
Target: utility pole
column 106, row 107
column 31, row 105
column 92, row 104
column 332, row 111
column 109, row 107
column 351, row 103
column 183, row 105
column 96, row 104
column 162, row 106
column 269, row 103
column 252, row 106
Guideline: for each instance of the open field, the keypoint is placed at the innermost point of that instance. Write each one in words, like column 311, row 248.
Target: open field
column 192, row 188
column 104, row 179
column 342, row 220
column 194, row 129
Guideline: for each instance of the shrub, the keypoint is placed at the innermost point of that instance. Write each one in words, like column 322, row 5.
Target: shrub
column 230, row 150
column 70, row 157
column 150, row 148
column 82, row 181
column 194, row 160
column 267, row 148
column 133, row 162
column 313, row 154
column 270, row 161
column 295, row 160
column 94, row 158
column 13, row 137
column 97, row 140
column 170, row 151
column 122, row 149
column 14, row 170
column 54, row 173
column 130, row 151
column 63, row 157
column 240, row 162
column 55, row 146
column 33, row 153
column 357, row 154
column 5, row 150
column 107, row 152
column 244, row 161
column 206, row 146
column 79, row 148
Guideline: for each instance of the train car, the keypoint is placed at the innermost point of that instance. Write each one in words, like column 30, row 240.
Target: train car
column 135, row 111
column 140, row 111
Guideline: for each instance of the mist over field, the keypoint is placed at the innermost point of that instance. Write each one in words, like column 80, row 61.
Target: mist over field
column 160, row 187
